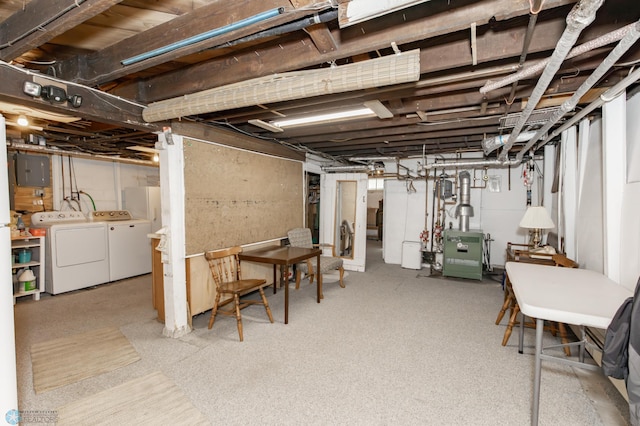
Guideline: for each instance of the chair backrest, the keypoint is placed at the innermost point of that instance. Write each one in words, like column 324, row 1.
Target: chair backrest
column 224, row 265
column 300, row 237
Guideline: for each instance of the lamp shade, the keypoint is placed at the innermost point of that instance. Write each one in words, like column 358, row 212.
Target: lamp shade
column 536, row 218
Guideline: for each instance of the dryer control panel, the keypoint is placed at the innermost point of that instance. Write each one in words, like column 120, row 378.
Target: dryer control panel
column 110, row 215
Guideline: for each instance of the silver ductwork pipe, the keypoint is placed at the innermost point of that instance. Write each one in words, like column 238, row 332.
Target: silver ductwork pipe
column 621, row 48
column 493, row 143
column 354, row 169
column 537, row 67
column 607, row 96
column 582, row 14
column 471, row 164
column 464, row 210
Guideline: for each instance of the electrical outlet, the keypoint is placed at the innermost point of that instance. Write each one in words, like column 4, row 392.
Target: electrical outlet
column 39, row 202
column 38, row 192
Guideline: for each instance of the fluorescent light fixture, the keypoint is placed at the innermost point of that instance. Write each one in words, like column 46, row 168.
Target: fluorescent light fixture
column 356, row 11
column 264, row 125
column 330, row 117
column 380, row 110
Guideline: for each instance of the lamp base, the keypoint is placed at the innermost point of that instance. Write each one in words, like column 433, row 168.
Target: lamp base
column 535, row 238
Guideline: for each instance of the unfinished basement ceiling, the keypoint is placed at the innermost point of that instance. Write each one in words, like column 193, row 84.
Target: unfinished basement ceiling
column 463, row 45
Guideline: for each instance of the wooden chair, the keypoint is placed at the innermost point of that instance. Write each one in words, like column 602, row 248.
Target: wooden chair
column 511, row 303
column 301, row 237
column 225, row 269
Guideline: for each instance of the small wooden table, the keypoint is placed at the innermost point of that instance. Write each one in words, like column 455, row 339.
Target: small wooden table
column 569, row 295
column 284, row 256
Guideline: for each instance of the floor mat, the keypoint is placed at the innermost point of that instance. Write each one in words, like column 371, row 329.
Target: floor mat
column 67, row 360
column 150, row 400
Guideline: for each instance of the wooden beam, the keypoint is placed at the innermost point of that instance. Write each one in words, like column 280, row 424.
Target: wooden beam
column 105, row 65
column 96, row 105
column 234, row 139
column 410, row 137
column 33, row 26
column 319, row 33
column 322, row 38
column 438, row 19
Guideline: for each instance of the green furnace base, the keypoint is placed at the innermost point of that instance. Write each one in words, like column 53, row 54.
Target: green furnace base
column 463, row 254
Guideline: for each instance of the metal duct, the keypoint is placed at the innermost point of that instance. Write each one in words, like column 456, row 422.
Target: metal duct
column 491, row 144
column 537, row 67
column 568, row 105
column 355, row 168
column 464, row 210
column 472, row 164
column 607, row 96
column 582, row 14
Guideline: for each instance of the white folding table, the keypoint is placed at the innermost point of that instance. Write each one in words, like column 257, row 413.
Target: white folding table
column 569, row 295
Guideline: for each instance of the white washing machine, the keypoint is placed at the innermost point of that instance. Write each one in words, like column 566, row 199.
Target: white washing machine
column 76, row 251
column 129, row 243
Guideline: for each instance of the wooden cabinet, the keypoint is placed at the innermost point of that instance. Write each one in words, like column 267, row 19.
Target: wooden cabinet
column 27, row 253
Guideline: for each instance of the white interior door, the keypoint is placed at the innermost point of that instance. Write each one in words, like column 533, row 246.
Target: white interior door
column 343, row 216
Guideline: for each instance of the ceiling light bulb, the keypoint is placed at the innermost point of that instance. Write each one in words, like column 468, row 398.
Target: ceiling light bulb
column 156, row 158
column 23, row 121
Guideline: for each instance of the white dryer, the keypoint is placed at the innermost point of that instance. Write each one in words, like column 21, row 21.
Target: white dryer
column 129, row 243
column 76, row 251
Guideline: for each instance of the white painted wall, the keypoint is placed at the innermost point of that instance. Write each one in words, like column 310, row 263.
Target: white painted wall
column 102, row 180
column 495, row 213
column 403, row 218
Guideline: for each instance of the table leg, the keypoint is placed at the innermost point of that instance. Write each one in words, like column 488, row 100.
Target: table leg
column 319, row 280
column 521, row 337
column 538, row 372
column 285, row 282
column 274, row 279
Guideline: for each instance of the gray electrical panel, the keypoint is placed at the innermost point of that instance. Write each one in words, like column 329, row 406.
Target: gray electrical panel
column 32, row 170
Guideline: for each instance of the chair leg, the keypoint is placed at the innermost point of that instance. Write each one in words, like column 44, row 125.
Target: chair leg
column 214, row 311
column 298, row 273
column 563, row 337
column 238, row 316
column 512, row 321
column 341, row 276
column 266, row 304
column 503, row 310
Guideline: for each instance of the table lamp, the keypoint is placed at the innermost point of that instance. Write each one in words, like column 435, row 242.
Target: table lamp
column 536, row 218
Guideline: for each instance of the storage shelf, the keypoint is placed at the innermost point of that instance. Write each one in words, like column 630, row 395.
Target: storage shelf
column 25, row 265
column 36, row 264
